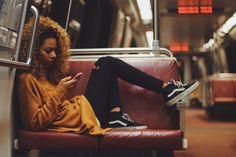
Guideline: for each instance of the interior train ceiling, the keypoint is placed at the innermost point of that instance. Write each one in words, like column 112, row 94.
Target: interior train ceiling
column 193, row 30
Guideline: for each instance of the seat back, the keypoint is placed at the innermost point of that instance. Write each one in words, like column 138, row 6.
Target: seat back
column 143, row 106
column 222, row 88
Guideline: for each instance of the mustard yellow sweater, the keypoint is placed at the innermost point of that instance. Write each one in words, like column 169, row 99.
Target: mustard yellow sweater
column 44, row 107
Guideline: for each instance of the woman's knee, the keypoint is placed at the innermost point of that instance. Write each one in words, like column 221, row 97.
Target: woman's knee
column 108, row 60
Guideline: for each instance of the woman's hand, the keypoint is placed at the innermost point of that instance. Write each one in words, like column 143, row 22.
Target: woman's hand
column 67, row 83
column 63, row 87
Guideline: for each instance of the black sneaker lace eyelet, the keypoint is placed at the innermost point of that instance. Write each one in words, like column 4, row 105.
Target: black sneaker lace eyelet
column 126, row 117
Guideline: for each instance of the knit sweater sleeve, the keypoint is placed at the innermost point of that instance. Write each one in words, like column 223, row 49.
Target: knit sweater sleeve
column 37, row 111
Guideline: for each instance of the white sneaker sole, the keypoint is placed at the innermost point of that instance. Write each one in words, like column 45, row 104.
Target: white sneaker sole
column 183, row 94
column 131, row 128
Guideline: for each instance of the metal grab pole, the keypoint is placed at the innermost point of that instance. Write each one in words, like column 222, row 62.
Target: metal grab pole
column 155, row 20
column 155, row 42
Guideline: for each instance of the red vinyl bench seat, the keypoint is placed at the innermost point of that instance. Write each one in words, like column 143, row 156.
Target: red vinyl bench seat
column 165, row 124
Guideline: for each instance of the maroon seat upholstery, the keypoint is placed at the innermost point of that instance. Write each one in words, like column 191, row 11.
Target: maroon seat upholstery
column 142, row 139
column 55, row 140
column 142, row 105
column 222, row 89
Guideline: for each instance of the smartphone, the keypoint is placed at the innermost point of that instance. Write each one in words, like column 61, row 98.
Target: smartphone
column 77, row 76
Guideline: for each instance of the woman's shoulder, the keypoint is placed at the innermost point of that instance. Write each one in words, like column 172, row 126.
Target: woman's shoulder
column 27, row 77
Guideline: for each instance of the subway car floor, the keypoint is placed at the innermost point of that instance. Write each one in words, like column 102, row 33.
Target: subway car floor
column 208, row 137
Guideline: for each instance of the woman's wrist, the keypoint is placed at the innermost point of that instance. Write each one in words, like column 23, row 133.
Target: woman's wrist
column 61, row 93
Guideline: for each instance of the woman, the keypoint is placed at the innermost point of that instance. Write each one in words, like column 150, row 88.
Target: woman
column 43, row 88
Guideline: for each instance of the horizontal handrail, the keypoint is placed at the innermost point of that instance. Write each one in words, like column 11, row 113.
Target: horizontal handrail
column 14, row 64
column 129, row 56
column 121, row 50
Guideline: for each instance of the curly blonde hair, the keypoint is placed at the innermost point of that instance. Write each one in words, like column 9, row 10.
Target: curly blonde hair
column 38, row 69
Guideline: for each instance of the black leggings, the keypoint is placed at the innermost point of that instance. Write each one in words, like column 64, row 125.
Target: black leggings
column 102, row 90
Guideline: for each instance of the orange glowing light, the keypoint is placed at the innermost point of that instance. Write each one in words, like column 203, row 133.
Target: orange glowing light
column 188, row 10
column 195, row 7
column 206, row 10
column 206, row 2
column 179, row 47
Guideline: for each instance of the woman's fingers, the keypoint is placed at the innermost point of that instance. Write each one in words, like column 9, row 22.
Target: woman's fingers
column 68, row 82
column 66, row 79
column 71, row 83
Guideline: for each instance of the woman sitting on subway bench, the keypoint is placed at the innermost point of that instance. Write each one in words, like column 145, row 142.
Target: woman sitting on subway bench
column 43, row 89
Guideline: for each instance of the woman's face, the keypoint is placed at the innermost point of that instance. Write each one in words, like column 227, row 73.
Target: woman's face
column 48, row 50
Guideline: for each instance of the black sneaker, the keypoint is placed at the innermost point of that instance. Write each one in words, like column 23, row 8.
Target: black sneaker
column 119, row 120
column 175, row 91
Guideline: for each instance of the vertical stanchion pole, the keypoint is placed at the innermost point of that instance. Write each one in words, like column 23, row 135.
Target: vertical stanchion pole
column 181, row 106
column 155, row 42
column 68, row 15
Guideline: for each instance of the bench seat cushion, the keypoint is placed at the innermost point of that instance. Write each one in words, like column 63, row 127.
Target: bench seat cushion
column 55, row 140
column 142, row 139
column 115, row 139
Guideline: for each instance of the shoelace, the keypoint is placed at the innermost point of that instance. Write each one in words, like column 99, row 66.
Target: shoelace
column 126, row 117
column 178, row 83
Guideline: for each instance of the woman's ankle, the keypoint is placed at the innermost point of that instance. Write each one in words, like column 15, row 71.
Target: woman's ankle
column 164, row 85
column 116, row 109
